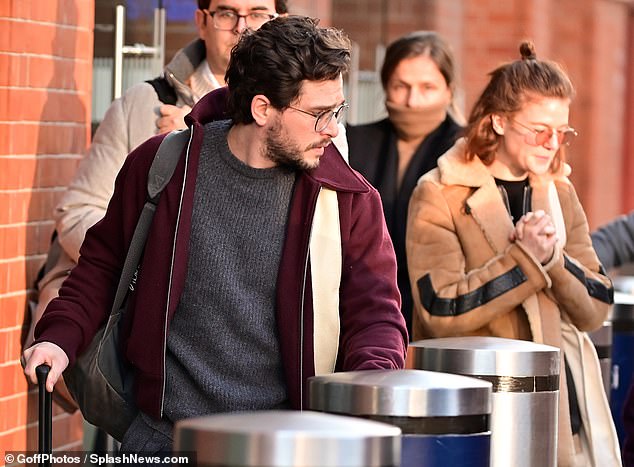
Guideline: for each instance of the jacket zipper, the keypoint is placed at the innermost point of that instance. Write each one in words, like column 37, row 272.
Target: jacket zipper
column 186, row 94
column 171, row 273
column 505, row 198
column 526, row 200
column 301, row 310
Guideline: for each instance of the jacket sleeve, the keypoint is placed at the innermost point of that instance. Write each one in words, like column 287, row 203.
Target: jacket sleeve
column 85, row 298
column 373, row 330
column 449, row 300
column 128, row 122
column 614, row 242
column 579, row 284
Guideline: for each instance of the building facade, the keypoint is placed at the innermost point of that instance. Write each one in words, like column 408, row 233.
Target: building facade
column 46, row 97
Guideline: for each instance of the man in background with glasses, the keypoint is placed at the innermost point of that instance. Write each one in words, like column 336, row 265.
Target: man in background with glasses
column 269, row 260
column 220, row 24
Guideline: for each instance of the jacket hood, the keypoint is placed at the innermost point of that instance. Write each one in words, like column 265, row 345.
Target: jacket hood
column 333, row 171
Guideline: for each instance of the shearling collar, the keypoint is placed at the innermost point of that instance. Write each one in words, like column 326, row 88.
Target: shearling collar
column 456, row 170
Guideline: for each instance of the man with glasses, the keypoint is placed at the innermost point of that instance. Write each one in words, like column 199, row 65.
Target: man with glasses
column 269, row 260
column 148, row 108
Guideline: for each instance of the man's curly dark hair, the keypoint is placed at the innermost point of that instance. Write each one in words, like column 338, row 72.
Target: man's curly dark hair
column 278, row 57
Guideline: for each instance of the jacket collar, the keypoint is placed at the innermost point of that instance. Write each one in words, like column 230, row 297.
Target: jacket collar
column 485, row 202
column 333, row 171
column 186, row 60
column 456, row 170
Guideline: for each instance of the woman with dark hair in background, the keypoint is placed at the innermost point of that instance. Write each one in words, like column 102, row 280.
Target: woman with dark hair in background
column 498, row 245
column 418, row 77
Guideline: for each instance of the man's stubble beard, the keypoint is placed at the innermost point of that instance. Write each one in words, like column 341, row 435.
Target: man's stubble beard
column 280, row 150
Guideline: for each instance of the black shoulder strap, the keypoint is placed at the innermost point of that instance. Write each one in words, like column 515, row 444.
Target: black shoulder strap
column 164, row 90
column 52, row 257
column 160, row 173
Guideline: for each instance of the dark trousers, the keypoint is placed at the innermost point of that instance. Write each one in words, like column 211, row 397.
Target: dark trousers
column 147, row 437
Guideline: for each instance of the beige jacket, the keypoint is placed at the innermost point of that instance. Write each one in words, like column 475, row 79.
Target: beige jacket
column 468, row 279
column 129, row 121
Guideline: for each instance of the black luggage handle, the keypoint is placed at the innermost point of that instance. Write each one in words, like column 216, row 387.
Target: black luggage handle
column 45, row 421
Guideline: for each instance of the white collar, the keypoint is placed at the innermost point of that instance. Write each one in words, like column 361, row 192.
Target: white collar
column 203, row 81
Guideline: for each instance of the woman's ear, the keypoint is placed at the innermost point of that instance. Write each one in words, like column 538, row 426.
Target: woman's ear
column 497, row 122
column 261, row 109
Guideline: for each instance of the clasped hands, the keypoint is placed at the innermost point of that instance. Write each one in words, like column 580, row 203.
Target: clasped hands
column 537, row 233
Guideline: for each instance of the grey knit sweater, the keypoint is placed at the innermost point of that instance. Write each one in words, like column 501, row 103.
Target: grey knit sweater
column 222, row 345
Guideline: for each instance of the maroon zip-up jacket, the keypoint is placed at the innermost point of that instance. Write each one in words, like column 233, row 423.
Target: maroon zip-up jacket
column 373, row 333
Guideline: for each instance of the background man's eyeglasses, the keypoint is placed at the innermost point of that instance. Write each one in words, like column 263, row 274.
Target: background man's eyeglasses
column 227, row 20
column 541, row 137
column 322, row 120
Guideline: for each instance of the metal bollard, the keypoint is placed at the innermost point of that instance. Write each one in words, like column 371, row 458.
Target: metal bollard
column 622, row 317
column 288, row 439
column 444, row 418
column 525, row 378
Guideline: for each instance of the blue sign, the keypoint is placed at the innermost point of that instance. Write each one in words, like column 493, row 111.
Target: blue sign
column 175, row 10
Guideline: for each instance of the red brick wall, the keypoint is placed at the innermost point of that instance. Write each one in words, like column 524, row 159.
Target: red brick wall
column 594, row 49
column 321, row 9
column 373, row 22
column 45, row 85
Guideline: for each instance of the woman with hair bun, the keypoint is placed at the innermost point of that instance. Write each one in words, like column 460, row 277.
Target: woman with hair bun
column 498, row 245
column 418, row 78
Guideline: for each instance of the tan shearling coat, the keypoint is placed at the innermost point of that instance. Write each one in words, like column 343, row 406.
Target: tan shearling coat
column 468, row 279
